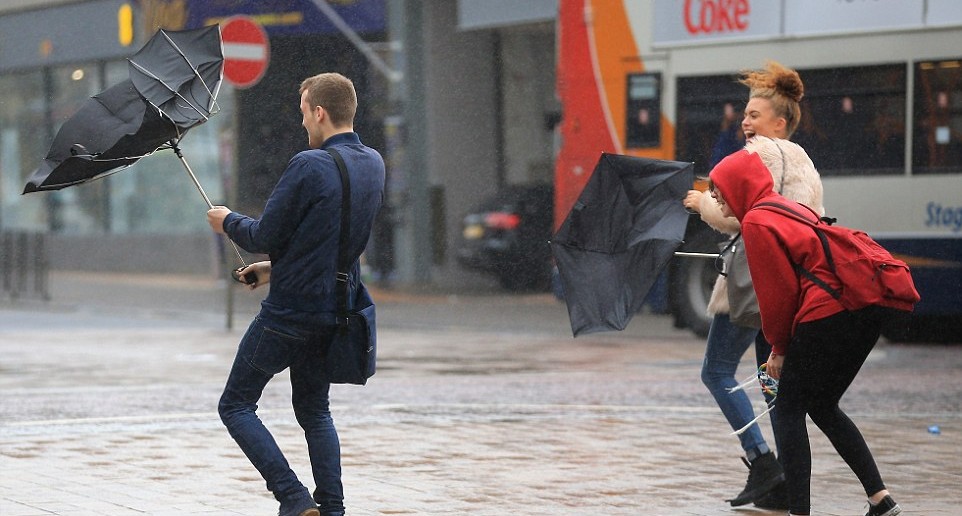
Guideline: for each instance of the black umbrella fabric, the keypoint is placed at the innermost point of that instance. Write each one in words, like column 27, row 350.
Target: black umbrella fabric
column 618, row 237
column 165, row 96
column 111, row 131
column 180, row 73
column 173, row 86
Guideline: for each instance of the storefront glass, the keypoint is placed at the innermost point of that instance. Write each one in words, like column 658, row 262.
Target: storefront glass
column 155, row 195
column 22, row 145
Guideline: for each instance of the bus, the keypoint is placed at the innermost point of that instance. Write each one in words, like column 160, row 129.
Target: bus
column 882, row 118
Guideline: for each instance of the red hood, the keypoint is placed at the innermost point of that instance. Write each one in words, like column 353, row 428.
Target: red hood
column 743, row 181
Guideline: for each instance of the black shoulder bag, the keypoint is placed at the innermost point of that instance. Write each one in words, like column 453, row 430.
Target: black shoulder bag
column 351, row 357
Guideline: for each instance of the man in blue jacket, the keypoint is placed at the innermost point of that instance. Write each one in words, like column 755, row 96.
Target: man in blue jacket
column 299, row 231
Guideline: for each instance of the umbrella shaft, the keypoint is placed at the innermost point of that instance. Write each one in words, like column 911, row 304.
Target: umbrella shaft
column 196, row 182
column 237, row 252
column 697, row 255
column 204, row 195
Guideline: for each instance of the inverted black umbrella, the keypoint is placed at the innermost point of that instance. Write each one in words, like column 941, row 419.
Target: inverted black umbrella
column 618, row 237
column 173, row 86
column 111, row 131
column 180, row 73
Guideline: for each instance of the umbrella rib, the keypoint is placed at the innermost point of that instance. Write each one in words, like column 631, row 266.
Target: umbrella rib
column 172, row 90
column 79, row 181
column 193, row 68
column 94, row 157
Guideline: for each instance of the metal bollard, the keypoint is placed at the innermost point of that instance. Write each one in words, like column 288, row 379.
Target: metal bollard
column 24, row 265
column 21, row 264
column 41, row 267
column 6, row 260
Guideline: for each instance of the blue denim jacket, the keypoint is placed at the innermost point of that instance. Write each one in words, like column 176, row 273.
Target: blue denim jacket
column 300, row 226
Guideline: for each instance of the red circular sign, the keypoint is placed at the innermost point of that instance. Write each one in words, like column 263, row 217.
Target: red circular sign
column 247, row 51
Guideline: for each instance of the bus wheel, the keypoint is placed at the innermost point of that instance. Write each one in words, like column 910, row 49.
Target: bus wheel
column 691, row 284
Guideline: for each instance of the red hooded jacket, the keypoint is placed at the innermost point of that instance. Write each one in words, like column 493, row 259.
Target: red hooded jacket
column 773, row 243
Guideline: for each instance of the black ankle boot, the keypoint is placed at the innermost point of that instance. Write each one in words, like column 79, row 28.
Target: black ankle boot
column 764, row 474
column 776, row 499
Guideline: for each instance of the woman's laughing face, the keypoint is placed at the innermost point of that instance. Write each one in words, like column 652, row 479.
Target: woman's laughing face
column 761, row 119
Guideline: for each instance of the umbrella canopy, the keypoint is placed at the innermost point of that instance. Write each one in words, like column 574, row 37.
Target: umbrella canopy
column 619, row 235
column 180, row 73
column 173, row 86
column 110, row 131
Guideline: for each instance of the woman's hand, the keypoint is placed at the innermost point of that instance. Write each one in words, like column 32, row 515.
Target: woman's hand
column 693, row 201
column 261, row 271
column 774, row 366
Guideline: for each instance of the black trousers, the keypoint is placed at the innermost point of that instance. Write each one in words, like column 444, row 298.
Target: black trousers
column 820, row 364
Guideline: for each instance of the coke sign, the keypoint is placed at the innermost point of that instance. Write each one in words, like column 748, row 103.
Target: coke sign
column 716, row 16
column 703, row 21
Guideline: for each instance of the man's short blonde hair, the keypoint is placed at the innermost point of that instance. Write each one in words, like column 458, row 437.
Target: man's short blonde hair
column 335, row 93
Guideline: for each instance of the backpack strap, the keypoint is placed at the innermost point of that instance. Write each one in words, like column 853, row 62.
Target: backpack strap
column 791, row 211
column 343, row 242
column 794, row 214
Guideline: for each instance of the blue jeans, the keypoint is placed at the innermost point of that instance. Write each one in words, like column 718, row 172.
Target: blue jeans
column 268, row 348
column 727, row 344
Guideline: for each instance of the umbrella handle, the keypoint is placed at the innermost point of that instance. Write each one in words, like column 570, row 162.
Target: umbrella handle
column 176, row 148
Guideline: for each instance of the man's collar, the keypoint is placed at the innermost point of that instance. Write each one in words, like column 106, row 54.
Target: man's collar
column 341, row 138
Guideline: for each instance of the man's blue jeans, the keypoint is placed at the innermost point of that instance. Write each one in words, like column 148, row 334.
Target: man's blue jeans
column 727, row 344
column 268, row 348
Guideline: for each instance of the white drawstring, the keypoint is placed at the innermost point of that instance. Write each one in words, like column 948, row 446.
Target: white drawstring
column 756, row 380
column 741, row 430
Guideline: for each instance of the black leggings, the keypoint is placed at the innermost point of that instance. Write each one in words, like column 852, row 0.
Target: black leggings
column 821, row 362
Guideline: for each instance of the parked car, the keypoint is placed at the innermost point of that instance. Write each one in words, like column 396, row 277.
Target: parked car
column 507, row 235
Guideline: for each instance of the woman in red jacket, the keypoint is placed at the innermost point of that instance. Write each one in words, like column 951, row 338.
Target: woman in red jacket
column 817, row 346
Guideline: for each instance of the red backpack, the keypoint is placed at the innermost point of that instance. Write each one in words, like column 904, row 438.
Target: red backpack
column 868, row 273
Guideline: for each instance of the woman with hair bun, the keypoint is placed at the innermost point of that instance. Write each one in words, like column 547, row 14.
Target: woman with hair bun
column 774, row 98
column 771, row 116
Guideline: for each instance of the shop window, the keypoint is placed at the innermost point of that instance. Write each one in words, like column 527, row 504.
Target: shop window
column 937, row 123
column 23, row 138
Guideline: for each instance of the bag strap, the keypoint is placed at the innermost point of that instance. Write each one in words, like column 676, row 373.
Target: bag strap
column 729, row 246
column 343, row 242
column 781, row 186
column 794, row 214
column 784, row 166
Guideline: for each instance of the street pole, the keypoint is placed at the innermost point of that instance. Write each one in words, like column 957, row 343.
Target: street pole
column 230, row 190
column 414, row 231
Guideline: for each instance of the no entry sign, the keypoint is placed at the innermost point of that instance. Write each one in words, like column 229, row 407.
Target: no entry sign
column 246, row 51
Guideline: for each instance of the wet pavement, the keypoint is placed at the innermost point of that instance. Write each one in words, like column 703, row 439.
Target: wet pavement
column 482, row 404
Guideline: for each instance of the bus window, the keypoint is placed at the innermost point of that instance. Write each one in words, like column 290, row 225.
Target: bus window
column 643, row 111
column 937, row 127
column 853, row 119
column 706, row 132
